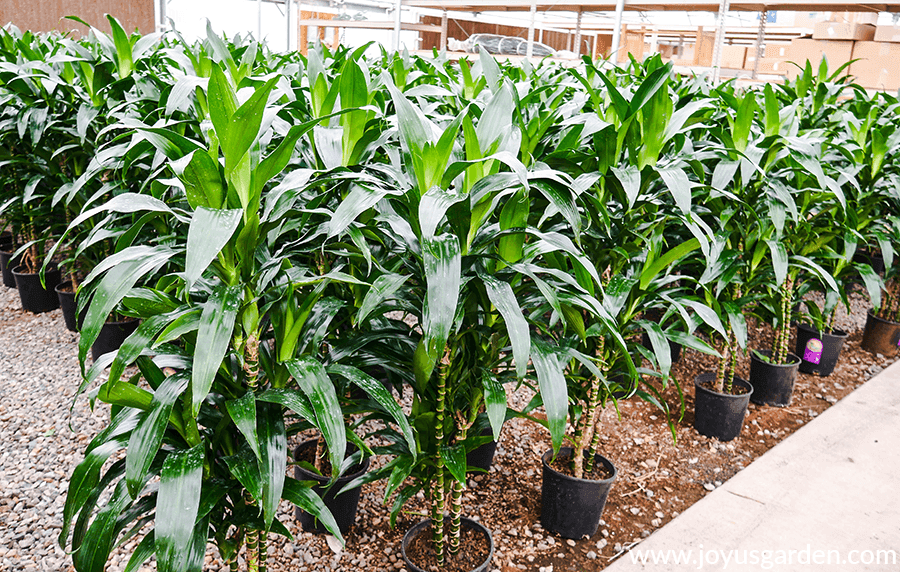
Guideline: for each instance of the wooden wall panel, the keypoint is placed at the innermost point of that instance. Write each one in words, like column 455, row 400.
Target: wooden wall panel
column 46, row 15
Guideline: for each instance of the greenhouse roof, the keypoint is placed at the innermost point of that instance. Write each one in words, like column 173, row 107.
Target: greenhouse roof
column 645, row 6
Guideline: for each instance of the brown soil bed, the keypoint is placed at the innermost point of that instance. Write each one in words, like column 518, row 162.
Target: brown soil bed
column 563, row 464
column 657, row 478
column 474, row 549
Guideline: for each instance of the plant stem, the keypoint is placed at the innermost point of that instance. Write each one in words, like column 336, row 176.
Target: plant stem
column 728, row 381
column 320, row 455
column 252, row 551
column 263, row 550
column 591, row 433
column 437, row 524
column 456, row 504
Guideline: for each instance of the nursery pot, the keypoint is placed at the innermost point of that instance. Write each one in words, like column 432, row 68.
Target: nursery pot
column 111, row 336
column 719, row 415
column 68, row 306
column 7, row 265
column 423, row 527
column 572, row 507
column 343, row 506
column 482, row 457
column 35, row 298
column 880, row 336
column 818, row 352
column 6, row 241
column 875, row 260
column 772, row 384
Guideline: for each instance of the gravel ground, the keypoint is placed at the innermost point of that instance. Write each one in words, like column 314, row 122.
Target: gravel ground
column 45, row 440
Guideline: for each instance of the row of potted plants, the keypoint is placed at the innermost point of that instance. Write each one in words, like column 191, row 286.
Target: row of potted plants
column 290, row 237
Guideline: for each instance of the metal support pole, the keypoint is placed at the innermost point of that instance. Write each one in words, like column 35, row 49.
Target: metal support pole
column 617, row 31
column 258, row 20
column 529, row 51
column 444, row 32
column 398, row 8
column 760, row 41
column 577, row 49
column 719, row 41
column 287, row 17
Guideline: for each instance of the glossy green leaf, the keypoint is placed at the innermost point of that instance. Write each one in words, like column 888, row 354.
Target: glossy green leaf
column 504, row 299
column 243, row 413
column 383, row 288
column 294, row 400
column 305, row 498
column 660, row 346
column 442, row 260
column 147, row 436
column 494, row 401
column 315, row 383
column 553, row 389
column 177, row 504
column 209, row 232
column 273, row 459
column 213, row 339
column 100, row 538
column 455, row 460
column 377, row 391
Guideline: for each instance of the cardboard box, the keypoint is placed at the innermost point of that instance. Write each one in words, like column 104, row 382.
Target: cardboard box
column 851, row 17
column 877, row 67
column 773, row 66
column 837, row 53
column 703, row 48
column 777, row 51
column 844, row 31
column 887, row 34
column 733, row 57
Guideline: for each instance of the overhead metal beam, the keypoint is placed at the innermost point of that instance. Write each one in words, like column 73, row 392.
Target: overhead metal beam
column 398, row 9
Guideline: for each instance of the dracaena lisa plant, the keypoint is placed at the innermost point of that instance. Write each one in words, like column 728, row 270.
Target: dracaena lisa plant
column 230, row 343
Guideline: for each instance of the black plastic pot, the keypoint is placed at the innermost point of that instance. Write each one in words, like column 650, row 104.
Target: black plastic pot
column 68, row 306
column 6, row 240
column 482, row 457
column 772, row 384
column 35, row 298
column 880, row 336
column 342, row 506
column 422, row 527
column 6, row 266
column 818, row 352
column 111, row 336
column 572, row 507
column 719, row 415
column 674, row 347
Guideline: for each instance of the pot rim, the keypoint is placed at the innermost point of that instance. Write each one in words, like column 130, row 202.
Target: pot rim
column 835, row 332
column 464, row 521
column 874, row 317
column 606, row 462
column 363, row 464
column 795, row 359
column 63, row 284
column 15, row 271
column 737, row 378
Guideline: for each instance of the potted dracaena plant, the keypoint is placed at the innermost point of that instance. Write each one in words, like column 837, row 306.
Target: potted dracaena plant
column 222, row 358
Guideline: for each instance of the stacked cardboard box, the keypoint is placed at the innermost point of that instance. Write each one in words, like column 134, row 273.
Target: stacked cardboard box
column 877, row 66
column 733, row 57
column 774, row 61
column 837, row 52
column 887, row 34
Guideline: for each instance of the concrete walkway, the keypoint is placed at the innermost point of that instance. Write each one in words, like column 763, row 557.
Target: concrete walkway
column 825, row 498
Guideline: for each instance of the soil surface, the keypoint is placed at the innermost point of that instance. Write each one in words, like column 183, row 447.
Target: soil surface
column 474, row 549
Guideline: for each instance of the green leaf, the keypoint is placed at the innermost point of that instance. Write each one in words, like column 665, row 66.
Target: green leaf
column 245, row 468
column 873, row 283
column 455, row 459
column 443, row 262
column 177, row 505
column 660, row 345
column 99, row 539
column 243, row 413
column 377, row 391
column 305, row 498
column 679, row 185
column 294, row 400
column 650, row 271
column 147, row 436
column 124, row 56
column 315, row 383
column 382, row 289
column 213, row 340
column 494, row 401
column 502, row 296
column 209, row 232
column 779, row 260
column 552, row 384
column 514, row 215
column 203, row 184
column 273, row 460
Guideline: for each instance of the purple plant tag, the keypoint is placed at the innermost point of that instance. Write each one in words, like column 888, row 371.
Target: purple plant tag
column 813, row 351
